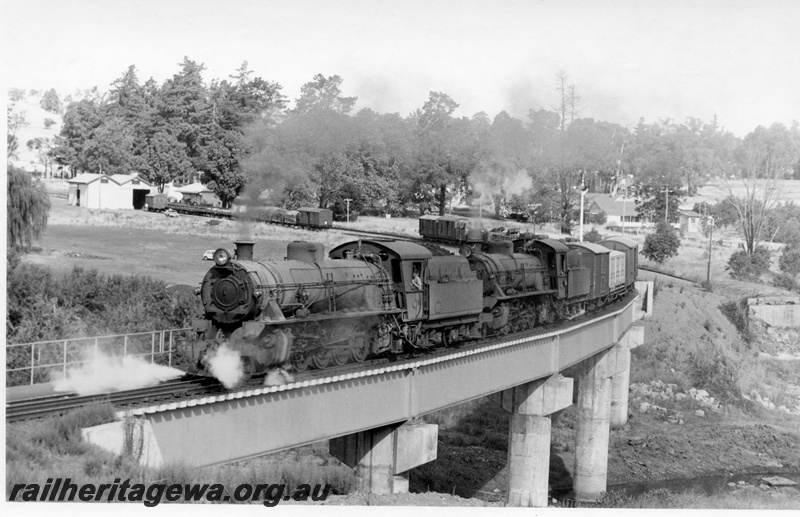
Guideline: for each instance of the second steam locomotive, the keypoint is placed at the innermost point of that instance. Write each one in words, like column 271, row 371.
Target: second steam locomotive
column 372, row 298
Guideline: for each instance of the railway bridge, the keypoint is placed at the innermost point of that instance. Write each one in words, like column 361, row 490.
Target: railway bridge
column 370, row 417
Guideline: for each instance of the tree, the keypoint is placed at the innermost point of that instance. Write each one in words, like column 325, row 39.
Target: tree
column 444, row 153
column 165, row 159
column 763, row 158
column 661, row 244
column 749, row 266
column 13, row 121
column 324, row 93
column 50, row 101
column 42, row 146
column 81, row 119
column 27, row 210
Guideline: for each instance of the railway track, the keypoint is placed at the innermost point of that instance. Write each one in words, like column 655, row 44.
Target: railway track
column 39, row 407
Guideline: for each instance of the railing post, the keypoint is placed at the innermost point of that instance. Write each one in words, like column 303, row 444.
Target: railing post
column 95, row 348
column 125, row 345
column 64, row 373
column 171, row 340
column 152, row 346
column 33, row 360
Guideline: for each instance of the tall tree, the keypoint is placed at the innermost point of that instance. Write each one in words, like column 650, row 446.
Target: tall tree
column 444, row 151
column 765, row 157
column 81, row 120
column 324, row 93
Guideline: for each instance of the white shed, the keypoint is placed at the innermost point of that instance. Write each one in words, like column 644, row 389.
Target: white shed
column 120, row 191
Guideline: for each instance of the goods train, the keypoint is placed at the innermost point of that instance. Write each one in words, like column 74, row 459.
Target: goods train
column 372, row 298
column 451, row 229
column 312, row 218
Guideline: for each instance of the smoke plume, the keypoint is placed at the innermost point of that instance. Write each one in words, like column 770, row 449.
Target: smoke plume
column 226, row 365
column 104, row 374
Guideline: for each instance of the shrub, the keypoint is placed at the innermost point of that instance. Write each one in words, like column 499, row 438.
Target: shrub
column 593, row 236
column 785, row 281
column 744, row 266
column 790, row 261
column 662, row 244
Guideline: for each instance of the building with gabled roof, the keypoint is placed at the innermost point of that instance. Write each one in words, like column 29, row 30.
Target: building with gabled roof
column 690, row 222
column 199, row 194
column 118, row 191
column 616, row 208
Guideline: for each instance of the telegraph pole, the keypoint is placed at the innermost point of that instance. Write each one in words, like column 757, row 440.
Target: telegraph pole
column 710, row 241
column 348, row 208
column 580, row 232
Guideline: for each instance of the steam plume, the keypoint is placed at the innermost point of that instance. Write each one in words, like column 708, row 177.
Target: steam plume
column 104, row 374
column 226, row 365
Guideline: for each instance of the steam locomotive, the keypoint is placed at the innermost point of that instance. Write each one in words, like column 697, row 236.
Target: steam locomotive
column 390, row 297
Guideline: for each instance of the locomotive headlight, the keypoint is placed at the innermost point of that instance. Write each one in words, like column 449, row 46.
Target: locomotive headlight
column 221, row 257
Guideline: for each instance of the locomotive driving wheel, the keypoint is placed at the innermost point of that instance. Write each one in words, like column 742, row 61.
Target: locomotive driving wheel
column 300, row 362
column 340, row 348
column 321, row 359
column 359, row 344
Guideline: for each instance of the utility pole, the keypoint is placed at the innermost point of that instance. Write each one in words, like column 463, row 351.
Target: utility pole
column 710, row 241
column 348, row 208
column 580, row 231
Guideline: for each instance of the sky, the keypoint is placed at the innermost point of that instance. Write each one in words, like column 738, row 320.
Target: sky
column 738, row 60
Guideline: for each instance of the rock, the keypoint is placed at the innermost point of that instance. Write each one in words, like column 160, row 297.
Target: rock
column 700, row 413
column 731, row 485
column 644, row 407
column 778, row 481
column 680, row 396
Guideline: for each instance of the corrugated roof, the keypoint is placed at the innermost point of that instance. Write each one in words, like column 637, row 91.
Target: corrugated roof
column 594, row 248
column 612, row 205
column 86, row 178
column 194, row 188
column 122, row 179
column 689, row 213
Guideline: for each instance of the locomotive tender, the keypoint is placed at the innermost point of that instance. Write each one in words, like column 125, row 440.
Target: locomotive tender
column 363, row 301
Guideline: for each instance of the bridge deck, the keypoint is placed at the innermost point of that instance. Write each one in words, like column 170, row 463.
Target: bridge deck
column 250, row 423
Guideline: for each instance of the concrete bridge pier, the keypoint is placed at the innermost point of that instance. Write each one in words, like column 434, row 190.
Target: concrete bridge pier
column 531, row 405
column 620, row 356
column 383, row 456
column 591, row 442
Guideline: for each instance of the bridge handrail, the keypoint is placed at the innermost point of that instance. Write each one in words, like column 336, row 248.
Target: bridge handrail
column 91, row 338
column 161, row 344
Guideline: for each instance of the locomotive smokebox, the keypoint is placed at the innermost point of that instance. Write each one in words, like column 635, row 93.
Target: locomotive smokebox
column 244, row 250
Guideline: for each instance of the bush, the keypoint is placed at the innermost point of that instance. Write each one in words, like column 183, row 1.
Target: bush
column 744, row 266
column 593, row 236
column 789, row 262
column 784, row 281
column 662, row 244
column 43, row 306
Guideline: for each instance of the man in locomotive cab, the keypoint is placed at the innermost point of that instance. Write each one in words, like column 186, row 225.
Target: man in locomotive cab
column 416, row 281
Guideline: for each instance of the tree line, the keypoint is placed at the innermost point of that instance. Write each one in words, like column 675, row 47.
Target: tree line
column 239, row 136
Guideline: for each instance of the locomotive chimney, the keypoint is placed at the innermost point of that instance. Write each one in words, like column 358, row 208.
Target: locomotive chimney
column 244, row 250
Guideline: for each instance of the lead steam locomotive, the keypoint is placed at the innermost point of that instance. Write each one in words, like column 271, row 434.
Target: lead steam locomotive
column 371, row 298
